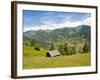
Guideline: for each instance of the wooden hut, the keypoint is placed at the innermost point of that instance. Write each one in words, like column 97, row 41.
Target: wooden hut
column 53, row 53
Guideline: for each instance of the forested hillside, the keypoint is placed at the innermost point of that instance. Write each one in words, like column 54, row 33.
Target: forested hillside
column 77, row 36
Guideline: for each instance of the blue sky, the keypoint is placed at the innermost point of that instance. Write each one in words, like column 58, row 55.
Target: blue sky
column 35, row 20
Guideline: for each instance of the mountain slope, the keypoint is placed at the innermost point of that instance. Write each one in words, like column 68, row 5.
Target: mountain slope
column 58, row 36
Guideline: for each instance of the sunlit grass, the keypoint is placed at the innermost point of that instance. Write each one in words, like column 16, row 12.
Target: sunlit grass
column 30, row 51
column 32, row 59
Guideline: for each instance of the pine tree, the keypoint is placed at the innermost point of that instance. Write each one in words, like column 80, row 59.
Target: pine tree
column 61, row 49
column 26, row 43
column 52, row 47
column 73, row 50
column 85, row 48
column 34, row 43
column 66, row 49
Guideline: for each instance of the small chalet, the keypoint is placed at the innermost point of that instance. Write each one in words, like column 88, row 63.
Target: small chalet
column 53, row 53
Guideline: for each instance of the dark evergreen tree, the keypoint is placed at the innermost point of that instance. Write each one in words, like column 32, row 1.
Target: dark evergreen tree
column 52, row 46
column 71, row 50
column 26, row 43
column 85, row 48
column 34, row 43
column 61, row 49
column 66, row 48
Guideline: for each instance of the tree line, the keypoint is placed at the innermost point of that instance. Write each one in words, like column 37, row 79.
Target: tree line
column 66, row 49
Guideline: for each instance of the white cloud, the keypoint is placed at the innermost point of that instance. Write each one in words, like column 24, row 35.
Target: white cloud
column 67, row 23
column 87, row 21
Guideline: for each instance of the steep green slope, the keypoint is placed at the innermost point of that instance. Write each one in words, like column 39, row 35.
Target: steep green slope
column 30, row 51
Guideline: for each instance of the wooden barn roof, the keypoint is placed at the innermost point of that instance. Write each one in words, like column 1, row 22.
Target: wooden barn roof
column 54, row 53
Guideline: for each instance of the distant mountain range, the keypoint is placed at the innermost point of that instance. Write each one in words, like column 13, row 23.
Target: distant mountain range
column 58, row 35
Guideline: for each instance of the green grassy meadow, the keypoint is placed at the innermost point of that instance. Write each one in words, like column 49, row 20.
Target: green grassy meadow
column 37, row 59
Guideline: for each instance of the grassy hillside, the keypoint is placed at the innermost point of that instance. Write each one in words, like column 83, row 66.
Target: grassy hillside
column 37, row 59
column 30, row 51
